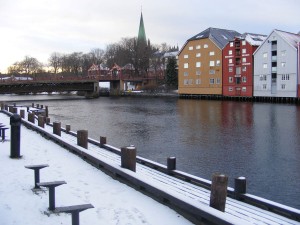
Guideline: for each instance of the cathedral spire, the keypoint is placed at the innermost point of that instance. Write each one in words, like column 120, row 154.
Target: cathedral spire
column 142, row 33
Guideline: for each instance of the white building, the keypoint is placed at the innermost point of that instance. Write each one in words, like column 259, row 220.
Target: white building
column 276, row 64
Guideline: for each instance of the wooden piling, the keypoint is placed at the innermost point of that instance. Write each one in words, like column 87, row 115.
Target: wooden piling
column 22, row 113
column 31, row 117
column 128, row 158
column 57, row 128
column 68, row 128
column 82, row 138
column 46, row 111
column 14, row 109
column 102, row 141
column 47, row 120
column 240, row 186
column 171, row 163
column 41, row 121
column 218, row 191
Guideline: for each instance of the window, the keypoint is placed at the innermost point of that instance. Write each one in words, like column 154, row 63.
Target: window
column 211, row 53
column 190, row 81
column 198, row 46
column 244, row 89
column 229, row 61
column 186, row 56
column 218, row 81
column 205, row 46
column 230, row 79
column 211, row 81
column 230, row 89
column 198, row 64
column 231, row 44
column 211, row 63
column 186, row 74
column 218, row 63
column 265, row 54
column 282, row 86
column 198, row 81
column 212, row 72
column 244, row 60
column 186, row 81
column 238, row 70
column 230, row 52
column 244, row 68
column 243, row 42
column 264, row 86
column 244, row 51
column 285, row 77
column 186, row 65
column 191, row 48
column 244, row 79
column 283, row 64
column 262, row 77
column 198, row 55
column 198, row 72
column 230, row 69
column 265, row 65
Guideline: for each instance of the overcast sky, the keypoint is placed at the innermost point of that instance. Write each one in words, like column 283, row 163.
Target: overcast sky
column 38, row 28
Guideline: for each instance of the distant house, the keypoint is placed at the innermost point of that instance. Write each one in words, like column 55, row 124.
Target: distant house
column 200, row 62
column 98, row 70
column 238, row 64
column 276, row 70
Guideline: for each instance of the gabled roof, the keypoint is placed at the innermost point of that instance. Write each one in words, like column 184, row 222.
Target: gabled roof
column 291, row 38
column 219, row 36
column 253, row 39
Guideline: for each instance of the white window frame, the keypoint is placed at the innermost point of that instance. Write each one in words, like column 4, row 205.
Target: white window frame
column 198, row 64
column 186, row 56
column 211, row 53
column 198, row 55
column 191, row 48
column 211, row 81
column 198, row 46
column 211, row 63
column 205, row 46
column 186, row 65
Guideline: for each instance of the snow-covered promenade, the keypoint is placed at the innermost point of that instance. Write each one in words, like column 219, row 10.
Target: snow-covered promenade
column 114, row 202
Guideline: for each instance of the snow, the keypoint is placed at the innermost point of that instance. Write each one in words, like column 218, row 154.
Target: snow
column 114, row 202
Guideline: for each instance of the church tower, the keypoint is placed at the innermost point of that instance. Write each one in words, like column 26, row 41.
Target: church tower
column 142, row 50
column 142, row 34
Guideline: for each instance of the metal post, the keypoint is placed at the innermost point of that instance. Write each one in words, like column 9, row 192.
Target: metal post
column 15, row 122
column 75, row 218
column 52, row 198
column 171, row 163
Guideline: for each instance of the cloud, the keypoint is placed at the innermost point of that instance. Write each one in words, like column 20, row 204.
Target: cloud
column 40, row 27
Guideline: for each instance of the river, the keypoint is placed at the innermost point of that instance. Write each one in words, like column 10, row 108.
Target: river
column 260, row 141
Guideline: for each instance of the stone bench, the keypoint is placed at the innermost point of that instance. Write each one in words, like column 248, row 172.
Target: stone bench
column 51, row 186
column 74, row 210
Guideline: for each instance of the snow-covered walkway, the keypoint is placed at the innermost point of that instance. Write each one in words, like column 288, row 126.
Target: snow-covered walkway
column 114, row 202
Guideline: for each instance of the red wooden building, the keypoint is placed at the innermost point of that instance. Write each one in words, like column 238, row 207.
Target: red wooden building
column 238, row 64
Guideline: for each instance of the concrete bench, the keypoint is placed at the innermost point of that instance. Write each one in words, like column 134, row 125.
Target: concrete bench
column 36, row 169
column 51, row 186
column 74, row 210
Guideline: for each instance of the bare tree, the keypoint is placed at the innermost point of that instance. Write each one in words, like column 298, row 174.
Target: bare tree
column 97, row 55
column 55, row 61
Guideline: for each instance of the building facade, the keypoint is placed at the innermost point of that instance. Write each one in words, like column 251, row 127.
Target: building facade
column 276, row 66
column 200, row 62
column 238, row 64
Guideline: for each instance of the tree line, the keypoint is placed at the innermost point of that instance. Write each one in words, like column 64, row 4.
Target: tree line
column 77, row 63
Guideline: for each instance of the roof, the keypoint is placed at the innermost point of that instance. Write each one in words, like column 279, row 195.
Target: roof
column 142, row 33
column 219, row 36
column 253, row 39
column 291, row 38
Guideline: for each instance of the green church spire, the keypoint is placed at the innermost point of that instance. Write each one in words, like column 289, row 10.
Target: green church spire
column 142, row 33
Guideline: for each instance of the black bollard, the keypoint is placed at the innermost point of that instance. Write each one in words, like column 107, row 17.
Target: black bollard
column 15, row 122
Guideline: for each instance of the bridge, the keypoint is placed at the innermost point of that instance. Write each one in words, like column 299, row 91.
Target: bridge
column 22, row 85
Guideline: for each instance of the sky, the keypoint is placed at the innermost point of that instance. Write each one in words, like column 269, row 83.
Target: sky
column 37, row 28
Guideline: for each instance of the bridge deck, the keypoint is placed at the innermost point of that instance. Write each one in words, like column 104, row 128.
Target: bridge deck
column 176, row 190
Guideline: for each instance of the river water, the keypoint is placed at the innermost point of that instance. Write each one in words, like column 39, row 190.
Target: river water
column 260, row 141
